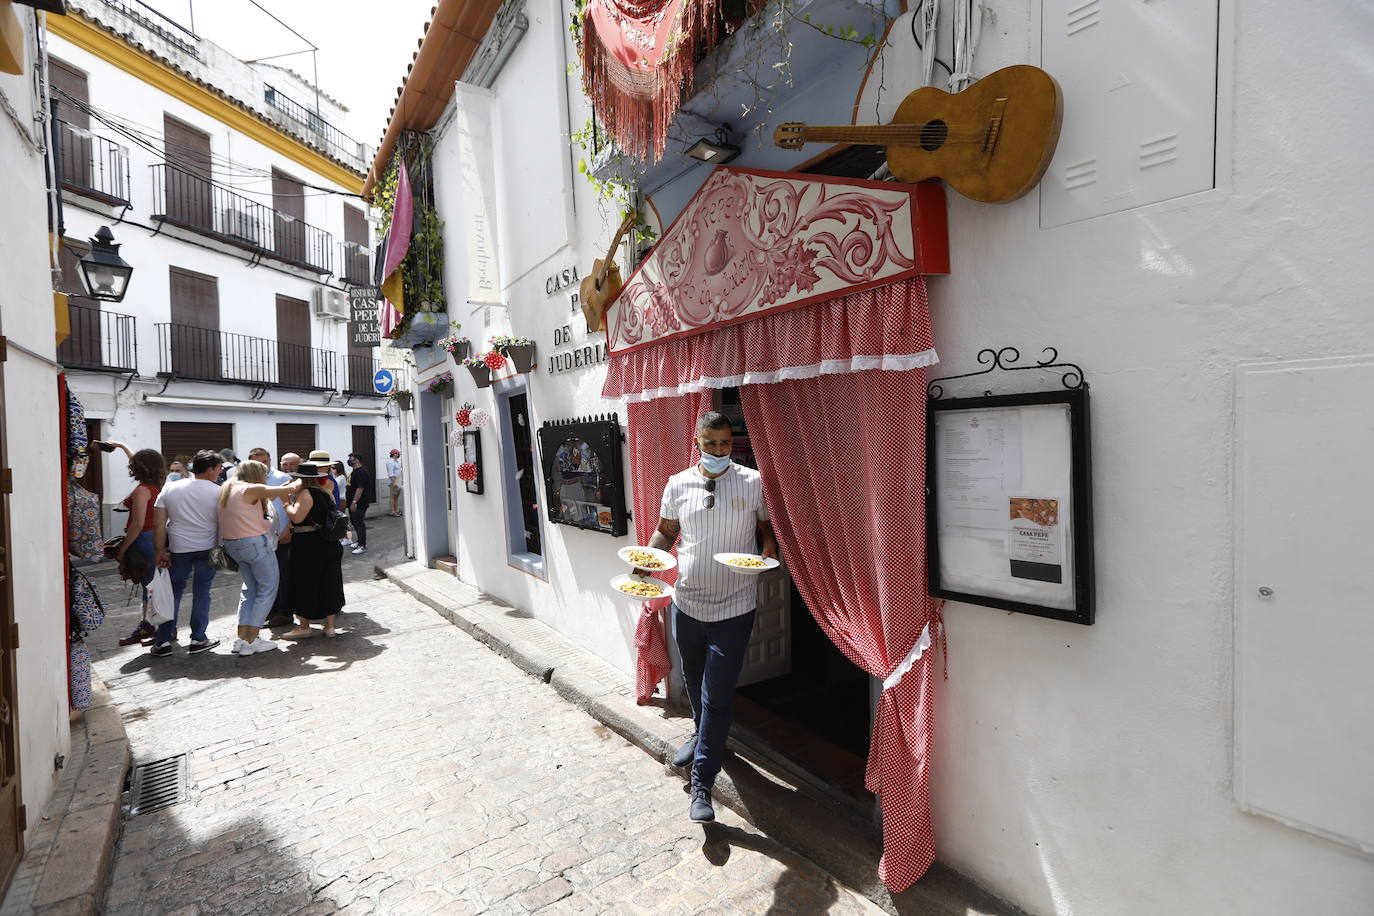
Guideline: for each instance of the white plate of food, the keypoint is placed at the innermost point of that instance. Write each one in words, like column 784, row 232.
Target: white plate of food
column 642, row 588
column 650, row 558
column 747, row 564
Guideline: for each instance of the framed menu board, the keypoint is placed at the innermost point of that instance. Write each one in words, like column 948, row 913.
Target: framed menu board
column 583, row 473
column 1009, row 503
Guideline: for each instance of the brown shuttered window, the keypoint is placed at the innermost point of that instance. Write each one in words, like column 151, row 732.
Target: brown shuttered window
column 288, row 200
column 295, row 437
column 293, row 342
column 356, row 244
column 182, row 439
column 193, row 335
column 76, row 147
column 187, row 175
column 83, row 346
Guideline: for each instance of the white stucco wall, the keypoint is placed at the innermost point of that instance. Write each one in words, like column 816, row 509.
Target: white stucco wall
column 1079, row 770
column 31, row 409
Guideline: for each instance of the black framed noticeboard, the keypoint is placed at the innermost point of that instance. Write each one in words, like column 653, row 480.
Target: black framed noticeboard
column 472, row 454
column 1009, row 502
column 583, row 473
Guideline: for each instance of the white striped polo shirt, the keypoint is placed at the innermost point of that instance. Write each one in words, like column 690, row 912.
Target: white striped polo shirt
column 705, row 589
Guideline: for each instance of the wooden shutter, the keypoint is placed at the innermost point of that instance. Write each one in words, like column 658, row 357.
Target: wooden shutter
column 83, row 346
column 188, row 438
column 187, row 174
column 355, row 265
column 193, row 335
column 76, row 150
column 296, row 437
column 360, row 369
column 365, row 447
column 293, row 342
column 288, row 200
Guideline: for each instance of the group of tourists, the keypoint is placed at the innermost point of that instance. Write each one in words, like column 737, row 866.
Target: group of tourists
column 279, row 527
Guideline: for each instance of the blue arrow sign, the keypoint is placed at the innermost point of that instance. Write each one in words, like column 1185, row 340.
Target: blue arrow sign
column 383, row 381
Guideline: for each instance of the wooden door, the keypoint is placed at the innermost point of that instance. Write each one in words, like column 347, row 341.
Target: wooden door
column 288, row 219
column 770, row 646
column 77, row 147
column 293, row 342
column 11, row 807
column 186, row 180
column 365, row 447
column 194, row 331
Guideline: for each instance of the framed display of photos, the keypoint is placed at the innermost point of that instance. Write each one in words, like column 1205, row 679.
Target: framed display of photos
column 1009, row 502
column 472, row 453
column 583, row 474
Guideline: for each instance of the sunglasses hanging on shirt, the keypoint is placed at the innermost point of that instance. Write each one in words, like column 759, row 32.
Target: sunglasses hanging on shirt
column 710, row 493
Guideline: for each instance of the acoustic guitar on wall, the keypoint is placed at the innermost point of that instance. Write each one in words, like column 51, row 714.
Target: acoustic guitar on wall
column 600, row 287
column 991, row 142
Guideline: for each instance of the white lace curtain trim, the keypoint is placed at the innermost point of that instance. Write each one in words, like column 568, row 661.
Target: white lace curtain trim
column 912, row 658
column 888, row 363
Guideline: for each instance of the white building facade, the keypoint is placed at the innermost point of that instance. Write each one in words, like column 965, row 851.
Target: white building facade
column 1204, row 746
column 232, row 191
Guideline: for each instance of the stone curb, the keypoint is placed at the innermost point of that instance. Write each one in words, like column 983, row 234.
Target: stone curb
column 66, row 867
column 840, row 843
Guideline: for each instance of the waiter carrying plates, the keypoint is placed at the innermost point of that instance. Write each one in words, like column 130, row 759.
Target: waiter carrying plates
column 716, row 506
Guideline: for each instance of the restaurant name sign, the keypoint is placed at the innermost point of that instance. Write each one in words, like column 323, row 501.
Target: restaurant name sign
column 364, row 316
column 752, row 241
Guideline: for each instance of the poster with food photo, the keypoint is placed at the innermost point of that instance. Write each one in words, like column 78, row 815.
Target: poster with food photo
column 1035, row 539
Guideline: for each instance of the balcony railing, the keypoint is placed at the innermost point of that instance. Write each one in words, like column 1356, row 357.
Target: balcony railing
column 340, row 144
column 361, row 370
column 208, row 355
column 186, row 199
column 356, row 263
column 99, row 340
column 168, row 30
column 93, row 166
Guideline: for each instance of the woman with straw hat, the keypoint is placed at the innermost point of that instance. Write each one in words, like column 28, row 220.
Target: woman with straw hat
column 315, row 590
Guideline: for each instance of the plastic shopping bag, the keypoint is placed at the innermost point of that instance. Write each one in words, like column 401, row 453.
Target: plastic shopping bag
column 160, row 606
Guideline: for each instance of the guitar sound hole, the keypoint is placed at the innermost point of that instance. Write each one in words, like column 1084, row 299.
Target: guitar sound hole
column 933, row 135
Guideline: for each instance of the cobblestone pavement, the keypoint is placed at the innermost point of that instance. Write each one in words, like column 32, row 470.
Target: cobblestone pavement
column 402, row 767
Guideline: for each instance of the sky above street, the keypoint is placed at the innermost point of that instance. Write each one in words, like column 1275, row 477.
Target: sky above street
column 364, row 45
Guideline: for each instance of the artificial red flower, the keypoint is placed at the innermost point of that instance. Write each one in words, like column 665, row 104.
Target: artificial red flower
column 467, row 471
column 464, row 417
column 494, row 360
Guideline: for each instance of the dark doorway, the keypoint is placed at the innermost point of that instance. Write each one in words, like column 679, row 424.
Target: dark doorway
column 188, row 438
column 295, row 438
column 93, row 481
column 365, row 447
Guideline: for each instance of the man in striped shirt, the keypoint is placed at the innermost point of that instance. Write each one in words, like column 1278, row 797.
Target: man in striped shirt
column 715, row 506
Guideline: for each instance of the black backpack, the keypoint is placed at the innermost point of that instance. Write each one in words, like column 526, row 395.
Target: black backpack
column 335, row 522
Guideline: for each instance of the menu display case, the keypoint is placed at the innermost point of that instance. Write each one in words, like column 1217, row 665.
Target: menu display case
column 584, row 474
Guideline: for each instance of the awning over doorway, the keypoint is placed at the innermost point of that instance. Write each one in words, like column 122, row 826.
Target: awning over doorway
column 796, row 276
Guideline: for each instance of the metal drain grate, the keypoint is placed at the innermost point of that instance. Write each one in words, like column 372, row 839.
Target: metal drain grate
column 160, row 784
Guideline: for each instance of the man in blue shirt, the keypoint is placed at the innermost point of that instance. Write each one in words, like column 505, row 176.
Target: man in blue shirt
column 280, row 616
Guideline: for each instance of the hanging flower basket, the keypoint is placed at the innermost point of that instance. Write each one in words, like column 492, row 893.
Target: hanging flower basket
column 519, row 349
column 481, row 375
column 402, row 398
column 441, row 383
column 458, row 347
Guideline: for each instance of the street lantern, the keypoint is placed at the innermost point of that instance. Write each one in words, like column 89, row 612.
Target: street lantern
column 715, row 150
column 104, row 273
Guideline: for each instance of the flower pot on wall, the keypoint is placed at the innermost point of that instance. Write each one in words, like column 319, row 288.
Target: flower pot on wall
column 461, row 351
column 522, row 356
column 402, row 400
column 481, row 376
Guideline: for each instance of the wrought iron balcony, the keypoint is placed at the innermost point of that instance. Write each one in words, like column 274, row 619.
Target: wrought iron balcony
column 356, row 262
column 312, row 124
column 92, row 166
column 361, row 370
column 99, row 340
column 168, row 30
column 185, row 199
column 207, row 355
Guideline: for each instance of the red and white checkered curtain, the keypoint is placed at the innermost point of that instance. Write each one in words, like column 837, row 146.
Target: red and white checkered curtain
column 834, row 394
column 843, row 464
column 660, row 445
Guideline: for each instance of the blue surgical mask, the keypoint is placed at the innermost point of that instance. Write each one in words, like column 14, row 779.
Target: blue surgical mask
column 714, row 464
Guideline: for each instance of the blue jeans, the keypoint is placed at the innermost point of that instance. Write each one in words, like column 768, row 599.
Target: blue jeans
column 712, row 656
column 183, row 565
column 257, row 559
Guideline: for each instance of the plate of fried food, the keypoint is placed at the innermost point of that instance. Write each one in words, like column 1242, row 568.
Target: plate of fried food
column 747, row 564
column 641, row 588
column 650, row 559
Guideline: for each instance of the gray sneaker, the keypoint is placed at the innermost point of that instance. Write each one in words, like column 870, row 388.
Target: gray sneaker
column 683, row 755
column 701, row 811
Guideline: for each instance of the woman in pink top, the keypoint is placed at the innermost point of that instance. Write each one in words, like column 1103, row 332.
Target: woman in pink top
column 247, row 533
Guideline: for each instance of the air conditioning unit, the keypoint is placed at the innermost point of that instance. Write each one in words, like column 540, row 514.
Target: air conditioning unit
column 331, row 303
column 243, row 224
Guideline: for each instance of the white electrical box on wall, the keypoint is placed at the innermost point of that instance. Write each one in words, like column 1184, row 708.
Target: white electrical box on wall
column 1140, row 104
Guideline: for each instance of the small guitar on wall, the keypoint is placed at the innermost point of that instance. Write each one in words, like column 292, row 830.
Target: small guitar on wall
column 603, row 283
column 991, row 142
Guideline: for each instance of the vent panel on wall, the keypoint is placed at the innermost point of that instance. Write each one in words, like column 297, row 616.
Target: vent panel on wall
column 1140, row 102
